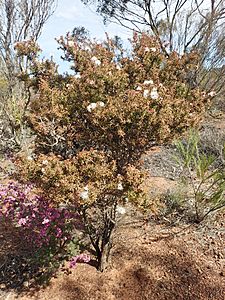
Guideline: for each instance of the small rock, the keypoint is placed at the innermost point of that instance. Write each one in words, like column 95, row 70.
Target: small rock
column 2, row 286
column 120, row 210
column 26, row 284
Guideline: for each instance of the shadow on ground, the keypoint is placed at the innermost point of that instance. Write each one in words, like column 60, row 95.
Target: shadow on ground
column 167, row 269
column 145, row 265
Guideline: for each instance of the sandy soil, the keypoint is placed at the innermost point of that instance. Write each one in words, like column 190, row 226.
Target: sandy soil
column 149, row 261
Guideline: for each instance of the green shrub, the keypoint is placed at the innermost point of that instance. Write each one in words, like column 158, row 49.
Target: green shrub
column 207, row 183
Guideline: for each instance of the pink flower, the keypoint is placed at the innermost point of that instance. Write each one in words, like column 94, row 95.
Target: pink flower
column 79, row 258
column 45, row 221
column 43, row 233
column 22, row 221
column 42, row 223
column 58, row 232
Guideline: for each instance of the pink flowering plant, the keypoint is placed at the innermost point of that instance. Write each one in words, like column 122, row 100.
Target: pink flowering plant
column 48, row 230
column 93, row 125
column 79, row 258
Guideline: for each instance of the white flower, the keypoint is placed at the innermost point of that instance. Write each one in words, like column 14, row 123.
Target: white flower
column 146, row 82
column 212, row 94
column 45, row 162
column 118, row 67
column 84, row 193
column 98, row 62
column 87, row 48
column 95, row 60
column 153, row 49
column 147, row 49
column 145, row 93
column 139, row 88
column 29, row 157
column 101, row 104
column 78, row 76
column 70, row 43
column 120, row 210
column 91, row 82
column 120, row 186
column 91, row 106
column 203, row 94
column 154, row 94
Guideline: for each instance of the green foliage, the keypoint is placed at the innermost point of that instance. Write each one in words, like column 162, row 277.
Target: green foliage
column 207, row 183
column 173, row 201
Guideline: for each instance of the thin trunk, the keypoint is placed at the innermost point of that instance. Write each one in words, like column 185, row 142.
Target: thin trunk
column 106, row 245
column 104, row 257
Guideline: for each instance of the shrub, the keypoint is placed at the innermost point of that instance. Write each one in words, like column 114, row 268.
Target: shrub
column 173, row 202
column 207, row 182
column 93, row 125
column 212, row 142
column 47, row 229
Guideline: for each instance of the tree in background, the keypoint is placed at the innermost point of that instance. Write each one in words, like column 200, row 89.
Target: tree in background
column 178, row 25
column 20, row 20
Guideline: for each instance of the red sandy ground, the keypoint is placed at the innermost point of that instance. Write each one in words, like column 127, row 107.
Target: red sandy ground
column 149, row 262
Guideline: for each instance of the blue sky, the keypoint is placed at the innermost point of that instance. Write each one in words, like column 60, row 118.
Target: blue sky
column 69, row 14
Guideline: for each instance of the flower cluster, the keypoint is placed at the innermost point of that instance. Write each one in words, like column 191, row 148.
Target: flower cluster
column 94, row 105
column 41, row 224
column 96, row 61
column 79, row 258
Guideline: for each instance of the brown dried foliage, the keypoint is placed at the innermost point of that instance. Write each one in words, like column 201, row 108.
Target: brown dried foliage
column 93, row 126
